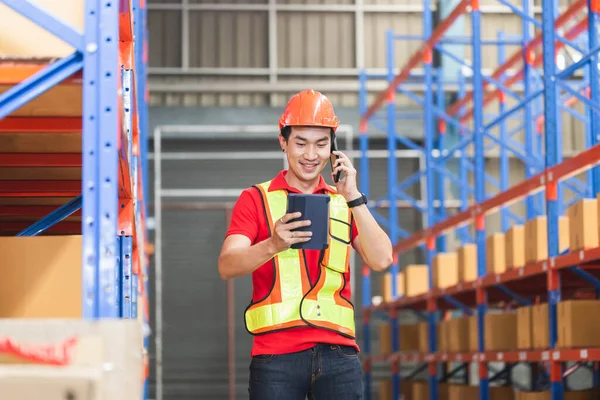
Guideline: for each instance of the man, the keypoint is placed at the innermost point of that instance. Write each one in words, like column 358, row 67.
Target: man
column 300, row 315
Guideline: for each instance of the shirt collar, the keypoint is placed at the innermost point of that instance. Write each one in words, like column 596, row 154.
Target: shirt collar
column 279, row 183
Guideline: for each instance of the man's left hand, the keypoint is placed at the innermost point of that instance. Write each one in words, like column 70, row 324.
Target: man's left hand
column 346, row 186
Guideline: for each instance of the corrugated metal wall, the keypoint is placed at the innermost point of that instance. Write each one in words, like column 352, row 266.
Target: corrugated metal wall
column 206, row 53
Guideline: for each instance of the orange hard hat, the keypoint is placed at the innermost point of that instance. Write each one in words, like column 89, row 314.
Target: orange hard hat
column 309, row 108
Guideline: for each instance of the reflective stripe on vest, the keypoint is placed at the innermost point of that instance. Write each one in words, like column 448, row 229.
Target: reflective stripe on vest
column 292, row 302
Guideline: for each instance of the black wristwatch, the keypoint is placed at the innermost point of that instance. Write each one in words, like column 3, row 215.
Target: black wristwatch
column 357, row 202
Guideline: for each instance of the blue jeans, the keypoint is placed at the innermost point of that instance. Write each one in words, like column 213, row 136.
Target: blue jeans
column 324, row 372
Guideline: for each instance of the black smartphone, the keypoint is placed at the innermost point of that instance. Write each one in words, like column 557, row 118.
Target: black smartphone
column 333, row 158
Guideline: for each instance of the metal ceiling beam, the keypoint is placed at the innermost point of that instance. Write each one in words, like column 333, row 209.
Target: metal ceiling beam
column 330, row 8
column 268, row 87
column 242, row 71
column 283, row 87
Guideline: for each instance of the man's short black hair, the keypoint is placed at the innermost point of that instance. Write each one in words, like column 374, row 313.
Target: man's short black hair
column 286, row 131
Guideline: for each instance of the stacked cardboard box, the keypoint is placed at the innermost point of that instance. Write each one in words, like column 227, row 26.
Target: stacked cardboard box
column 443, row 334
column 536, row 238
column 385, row 339
column 458, row 335
column 408, row 334
column 467, row 262
column 524, row 328
column 420, row 390
column 445, row 270
column 24, row 38
column 386, row 286
column 386, row 386
column 583, row 223
column 592, row 394
column 412, row 281
column 467, row 392
column 495, row 254
column 45, row 283
column 409, row 337
column 540, row 326
column 104, row 359
column 423, row 333
column 473, row 334
column 500, row 331
column 575, row 326
column 515, row 247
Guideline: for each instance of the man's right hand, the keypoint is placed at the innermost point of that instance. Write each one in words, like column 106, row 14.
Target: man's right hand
column 283, row 237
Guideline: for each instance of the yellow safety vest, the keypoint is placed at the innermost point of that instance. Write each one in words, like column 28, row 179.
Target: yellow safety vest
column 293, row 301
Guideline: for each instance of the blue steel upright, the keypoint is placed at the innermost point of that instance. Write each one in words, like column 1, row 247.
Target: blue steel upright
column 478, row 136
column 552, row 155
column 100, row 159
column 428, row 119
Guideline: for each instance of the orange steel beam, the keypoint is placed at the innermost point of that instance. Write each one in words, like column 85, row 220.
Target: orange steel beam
column 518, row 55
column 417, row 58
column 569, row 167
column 12, row 73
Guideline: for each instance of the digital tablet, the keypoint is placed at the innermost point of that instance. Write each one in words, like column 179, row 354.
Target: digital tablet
column 314, row 207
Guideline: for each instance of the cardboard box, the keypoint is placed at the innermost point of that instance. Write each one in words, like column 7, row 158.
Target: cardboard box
column 385, row 389
column 409, row 337
column 443, row 389
column 533, row 395
column 515, row 247
column 19, row 37
column 34, row 382
column 423, row 329
column 445, row 270
column 540, row 324
column 536, row 238
column 420, row 390
column 386, row 286
column 405, row 388
column 473, row 334
column 416, row 279
column 591, row 394
column 524, row 328
column 467, row 262
column 495, row 254
column 583, row 224
column 408, row 334
column 45, row 283
column 82, row 346
column 385, row 339
column 458, row 337
column 463, row 392
column 501, row 393
column 500, row 331
column 443, row 336
column 577, row 323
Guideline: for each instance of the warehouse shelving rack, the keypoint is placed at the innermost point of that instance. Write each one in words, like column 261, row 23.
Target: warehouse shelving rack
column 547, row 91
column 99, row 190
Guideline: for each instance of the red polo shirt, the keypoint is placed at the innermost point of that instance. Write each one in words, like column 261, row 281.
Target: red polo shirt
column 248, row 219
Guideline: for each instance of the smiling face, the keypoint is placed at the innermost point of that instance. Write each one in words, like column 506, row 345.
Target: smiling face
column 308, row 150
